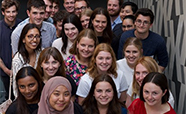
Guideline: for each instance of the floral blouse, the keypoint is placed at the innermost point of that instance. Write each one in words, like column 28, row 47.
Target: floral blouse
column 74, row 69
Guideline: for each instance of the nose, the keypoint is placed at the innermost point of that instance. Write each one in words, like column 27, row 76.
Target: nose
column 61, row 98
column 100, row 24
column 86, row 48
column 27, row 90
column 103, row 94
column 50, row 66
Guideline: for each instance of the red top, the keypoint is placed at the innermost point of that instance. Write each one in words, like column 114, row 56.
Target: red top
column 138, row 107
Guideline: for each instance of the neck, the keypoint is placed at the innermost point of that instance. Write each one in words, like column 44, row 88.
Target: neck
column 10, row 23
column 99, row 33
column 113, row 18
column 82, row 60
column 154, row 109
column 130, row 65
column 102, row 109
column 141, row 35
column 58, row 33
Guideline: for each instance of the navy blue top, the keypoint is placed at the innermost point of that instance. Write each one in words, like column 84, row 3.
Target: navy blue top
column 123, row 110
column 5, row 44
column 154, row 46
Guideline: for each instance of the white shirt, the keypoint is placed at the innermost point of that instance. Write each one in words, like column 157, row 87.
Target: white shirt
column 127, row 71
column 58, row 44
column 86, row 83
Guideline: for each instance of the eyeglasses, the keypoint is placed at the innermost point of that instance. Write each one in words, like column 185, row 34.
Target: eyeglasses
column 139, row 22
column 31, row 37
column 81, row 8
column 127, row 26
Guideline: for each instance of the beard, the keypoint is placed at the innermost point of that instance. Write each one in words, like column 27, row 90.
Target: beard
column 114, row 14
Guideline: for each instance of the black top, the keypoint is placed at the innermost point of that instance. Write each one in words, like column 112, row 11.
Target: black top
column 12, row 109
column 77, row 109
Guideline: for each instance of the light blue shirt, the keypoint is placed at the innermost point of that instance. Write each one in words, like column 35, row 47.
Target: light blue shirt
column 116, row 21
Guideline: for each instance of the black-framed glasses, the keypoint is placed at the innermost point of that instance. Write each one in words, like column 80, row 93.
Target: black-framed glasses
column 81, row 8
column 139, row 22
column 31, row 36
column 127, row 26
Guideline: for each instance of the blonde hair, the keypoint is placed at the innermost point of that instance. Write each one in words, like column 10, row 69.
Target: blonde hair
column 93, row 70
column 151, row 65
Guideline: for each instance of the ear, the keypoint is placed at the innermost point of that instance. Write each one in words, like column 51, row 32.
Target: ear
column 3, row 13
column 141, row 51
column 28, row 13
column 24, row 41
column 165, row 92
column 151, row 25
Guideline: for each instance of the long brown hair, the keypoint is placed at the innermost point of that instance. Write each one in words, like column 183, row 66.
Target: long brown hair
column 90, row 104
column 45, row 55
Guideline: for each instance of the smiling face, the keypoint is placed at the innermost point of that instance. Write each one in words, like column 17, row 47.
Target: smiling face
column 50, row 67
column 127, row 10
column 55, row 8
column 32, row 39
column 153, row 94
column 28, row 87
column 99, row 24
column 60, row 98
column 113, row 7
column 132, row 54
column 142, row 24
column 103, row 93
column 36, row 15
column 71, row 31
column 86, row 47
column 48, row 8
column 85, row 21
column 10, row 14
column 69, row 5
column 103, row 61
column 140, row 73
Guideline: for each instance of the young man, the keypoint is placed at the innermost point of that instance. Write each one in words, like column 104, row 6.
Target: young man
column 113, row 7
column 36, row 13
column 79, row 6
column 153, row 44
column 9, row 9
column 127, row 8
column 69, row 5
column 48, row 10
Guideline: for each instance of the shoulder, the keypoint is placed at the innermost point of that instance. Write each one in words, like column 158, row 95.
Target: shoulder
column 123, row 110
column 47, row 25
column 77, row 109
column 155, row 36
column 127, row 34
column 12, row 108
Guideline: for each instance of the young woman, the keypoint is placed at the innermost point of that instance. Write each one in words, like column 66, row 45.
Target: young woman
column 143, row 66
column 154, row 94
column 82, row 50
column 29, row 91
column 102, row 98
column 56, row 98
column 50, row 63
column 103, row 61
column 29, row 48
column 100, row 23
column 71, row 27
column 132, row 51
column 85, row 17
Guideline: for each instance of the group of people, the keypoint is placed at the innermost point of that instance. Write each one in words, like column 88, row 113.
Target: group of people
column 83, row 61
